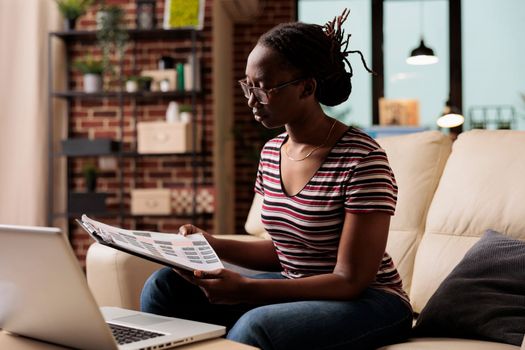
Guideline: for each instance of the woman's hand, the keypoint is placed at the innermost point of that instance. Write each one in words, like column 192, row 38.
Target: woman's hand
column 220, row 286
column 189, row 229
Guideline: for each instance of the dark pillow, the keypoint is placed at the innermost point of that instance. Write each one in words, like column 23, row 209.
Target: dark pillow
column 483, row 297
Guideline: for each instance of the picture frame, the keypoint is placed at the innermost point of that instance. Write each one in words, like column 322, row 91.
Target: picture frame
column 183, row 14
column 404, row 112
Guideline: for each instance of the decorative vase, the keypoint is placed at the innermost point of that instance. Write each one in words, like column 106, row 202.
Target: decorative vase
column 165, row 85
column 70, row 23
column 172, row 113
column 91, row 182
column 146, row 85
column 166, row 62
column 185, row 117
column 92, row 83
column 132, row 86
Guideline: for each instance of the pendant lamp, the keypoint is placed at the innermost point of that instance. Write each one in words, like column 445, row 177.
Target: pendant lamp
column 422, row 55
column 451, row 117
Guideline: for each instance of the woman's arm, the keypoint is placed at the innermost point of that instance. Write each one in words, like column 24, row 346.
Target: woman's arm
column 360, row 252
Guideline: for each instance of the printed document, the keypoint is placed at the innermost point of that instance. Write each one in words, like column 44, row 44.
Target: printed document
column 191, row 252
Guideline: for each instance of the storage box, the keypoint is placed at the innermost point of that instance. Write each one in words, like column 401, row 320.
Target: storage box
column 162, row 137
column 151, row 201
column 89, row 147
column 182, row 200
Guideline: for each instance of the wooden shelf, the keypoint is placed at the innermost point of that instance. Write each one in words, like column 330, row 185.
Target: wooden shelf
column 142, row 95
column 132, row 154
column 134, row 34
column 94, row 204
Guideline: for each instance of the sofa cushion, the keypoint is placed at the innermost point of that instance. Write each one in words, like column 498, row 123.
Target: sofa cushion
column 417, row 161
column 448, row 344
column 253, row 224
column 482, row 187
column 483, row 297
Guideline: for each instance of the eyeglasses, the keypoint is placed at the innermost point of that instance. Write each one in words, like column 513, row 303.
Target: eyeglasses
column 261, row 94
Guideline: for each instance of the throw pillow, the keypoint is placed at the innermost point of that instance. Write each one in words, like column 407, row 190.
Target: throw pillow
column 483, row 297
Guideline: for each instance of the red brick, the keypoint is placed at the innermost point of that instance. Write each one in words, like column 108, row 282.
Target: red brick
column 105, row 113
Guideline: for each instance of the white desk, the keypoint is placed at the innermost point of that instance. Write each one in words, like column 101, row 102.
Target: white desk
column 13, row 342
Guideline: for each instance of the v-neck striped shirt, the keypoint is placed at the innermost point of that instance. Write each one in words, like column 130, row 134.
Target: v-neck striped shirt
column 305, row 228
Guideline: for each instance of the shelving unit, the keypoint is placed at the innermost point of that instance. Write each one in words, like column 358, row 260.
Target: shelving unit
column 126, row 152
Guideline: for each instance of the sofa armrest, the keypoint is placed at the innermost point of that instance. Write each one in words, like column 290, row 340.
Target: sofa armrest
column 116, row 278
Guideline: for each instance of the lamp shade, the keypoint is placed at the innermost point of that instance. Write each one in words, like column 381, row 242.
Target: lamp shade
column 422, row 55
column 450, row 118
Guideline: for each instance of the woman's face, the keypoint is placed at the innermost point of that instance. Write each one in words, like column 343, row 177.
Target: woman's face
column 265, row 69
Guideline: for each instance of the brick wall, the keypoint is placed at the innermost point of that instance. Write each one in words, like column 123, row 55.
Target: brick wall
column 100, row 118
column 250, row 135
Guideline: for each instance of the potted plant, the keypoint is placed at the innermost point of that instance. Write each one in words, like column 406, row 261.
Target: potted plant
column 71, row 10
column 185, row 113
column 132, row 83
column 136, row 83
column 90, row 172
column 111, row 35
column 145, row 82
column 92, row 70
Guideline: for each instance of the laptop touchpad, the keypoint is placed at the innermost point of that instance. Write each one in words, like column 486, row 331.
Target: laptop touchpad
column 141, row 320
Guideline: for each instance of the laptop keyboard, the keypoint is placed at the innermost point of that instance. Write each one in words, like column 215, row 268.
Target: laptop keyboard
column 126, row 335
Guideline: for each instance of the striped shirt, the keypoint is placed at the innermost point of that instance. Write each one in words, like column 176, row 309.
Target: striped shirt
column 305, row 228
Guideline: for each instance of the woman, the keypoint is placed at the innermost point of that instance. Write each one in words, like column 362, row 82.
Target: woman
column 328, row 196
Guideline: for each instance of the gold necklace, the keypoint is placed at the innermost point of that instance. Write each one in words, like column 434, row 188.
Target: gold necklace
column 313, row 150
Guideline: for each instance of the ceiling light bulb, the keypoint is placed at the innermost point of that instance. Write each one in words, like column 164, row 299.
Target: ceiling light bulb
column 450, row 120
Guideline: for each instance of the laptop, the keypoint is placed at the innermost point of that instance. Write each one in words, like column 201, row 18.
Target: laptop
column 44, row 295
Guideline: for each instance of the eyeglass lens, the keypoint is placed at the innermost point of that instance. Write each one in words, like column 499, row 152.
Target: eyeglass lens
column 259, row 93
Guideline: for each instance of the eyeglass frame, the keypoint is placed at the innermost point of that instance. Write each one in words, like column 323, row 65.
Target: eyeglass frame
column 267, row 92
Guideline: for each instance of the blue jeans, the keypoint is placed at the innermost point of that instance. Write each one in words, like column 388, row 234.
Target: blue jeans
column 374, row 319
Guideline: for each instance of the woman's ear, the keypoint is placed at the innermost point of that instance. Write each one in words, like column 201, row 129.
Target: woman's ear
column 309, row 87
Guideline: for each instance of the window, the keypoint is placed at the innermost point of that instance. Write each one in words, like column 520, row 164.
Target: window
column 493, row 56
column 492, row 78
column 405, row 23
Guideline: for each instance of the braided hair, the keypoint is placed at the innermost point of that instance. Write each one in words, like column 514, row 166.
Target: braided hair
column 318, row 52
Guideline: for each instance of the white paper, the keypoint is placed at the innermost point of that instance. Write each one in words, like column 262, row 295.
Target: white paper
column 191, row 252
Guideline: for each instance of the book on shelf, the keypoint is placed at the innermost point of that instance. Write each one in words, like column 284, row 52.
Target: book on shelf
column 191, row 252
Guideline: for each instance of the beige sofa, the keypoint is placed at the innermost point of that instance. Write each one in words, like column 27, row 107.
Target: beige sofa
column 449, row 194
